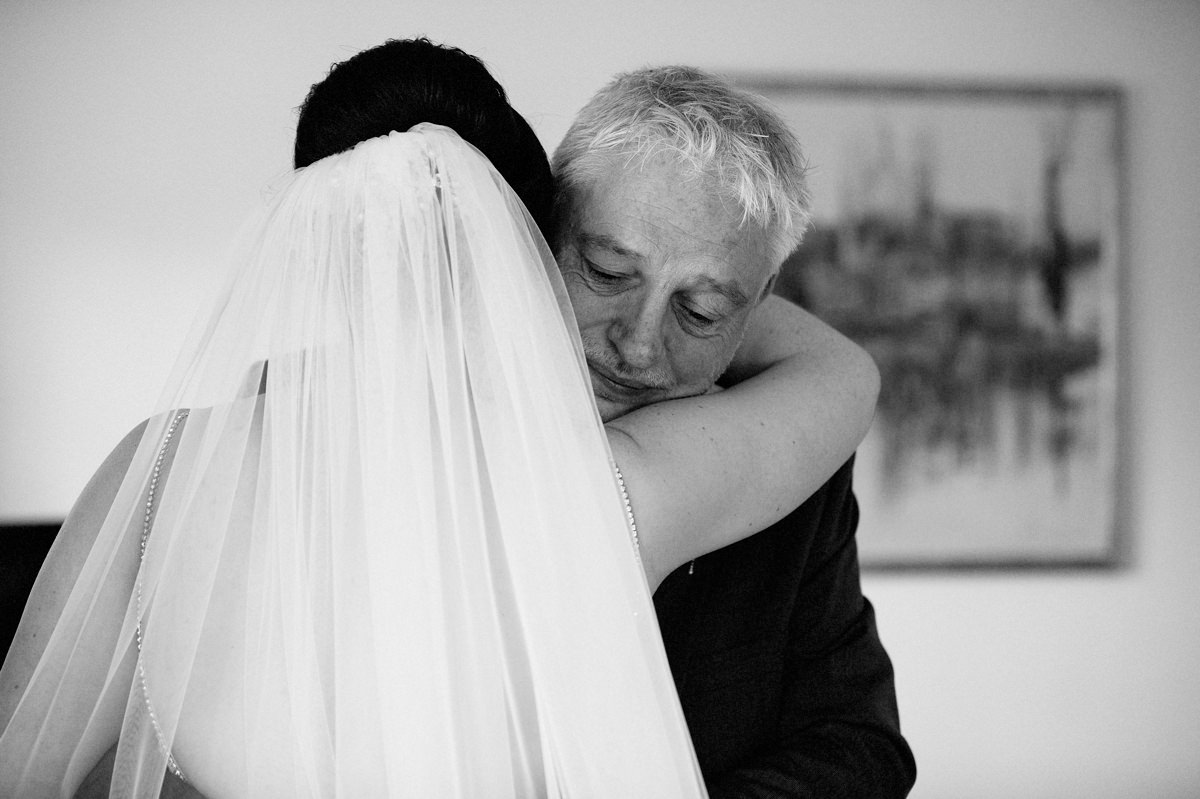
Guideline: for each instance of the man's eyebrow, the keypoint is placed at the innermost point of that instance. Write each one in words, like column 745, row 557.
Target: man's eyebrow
column 606, row 242
column 728, row 290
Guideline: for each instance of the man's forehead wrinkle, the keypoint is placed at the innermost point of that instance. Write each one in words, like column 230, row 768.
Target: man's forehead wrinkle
column 634, row 235
column 661, row 226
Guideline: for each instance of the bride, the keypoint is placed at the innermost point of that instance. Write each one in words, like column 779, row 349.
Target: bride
column 375, row 541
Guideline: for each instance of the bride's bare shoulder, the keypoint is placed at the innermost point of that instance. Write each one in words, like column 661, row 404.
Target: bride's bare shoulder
column 98, row 494
column 96, row 499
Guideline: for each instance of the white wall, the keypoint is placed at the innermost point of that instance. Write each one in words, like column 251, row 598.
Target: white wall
column 133, row 139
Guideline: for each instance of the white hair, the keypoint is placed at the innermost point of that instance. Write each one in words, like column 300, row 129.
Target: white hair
column 720, row 131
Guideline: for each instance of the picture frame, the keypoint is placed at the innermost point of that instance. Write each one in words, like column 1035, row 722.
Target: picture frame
column 970, row 237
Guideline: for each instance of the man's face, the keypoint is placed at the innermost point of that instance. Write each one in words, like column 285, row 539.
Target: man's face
column 662, row 276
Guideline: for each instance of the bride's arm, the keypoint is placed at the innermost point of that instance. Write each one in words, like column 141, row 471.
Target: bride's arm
column 59, row 571
column 706, row 471
column 53, row 586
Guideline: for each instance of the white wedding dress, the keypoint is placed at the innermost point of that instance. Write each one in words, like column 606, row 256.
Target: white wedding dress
column 371, row 544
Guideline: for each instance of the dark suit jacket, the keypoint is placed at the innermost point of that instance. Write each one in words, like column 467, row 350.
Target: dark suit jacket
column 785, row 685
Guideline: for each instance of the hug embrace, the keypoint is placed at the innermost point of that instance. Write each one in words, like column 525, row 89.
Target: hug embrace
column 483, row 476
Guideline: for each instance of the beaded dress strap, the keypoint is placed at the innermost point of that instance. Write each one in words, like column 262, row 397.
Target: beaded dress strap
column 633, row 533
column 162, row 452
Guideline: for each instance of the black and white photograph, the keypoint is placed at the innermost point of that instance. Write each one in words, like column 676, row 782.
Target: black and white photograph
column 543, row 400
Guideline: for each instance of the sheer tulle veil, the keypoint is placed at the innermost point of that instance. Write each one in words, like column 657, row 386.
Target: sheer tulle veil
column 370, row 543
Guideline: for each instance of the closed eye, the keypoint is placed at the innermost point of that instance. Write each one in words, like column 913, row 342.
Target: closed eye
column 602, row 275
column 697, row 322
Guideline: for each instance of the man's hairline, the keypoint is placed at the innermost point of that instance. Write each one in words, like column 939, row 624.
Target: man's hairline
column 571, row 192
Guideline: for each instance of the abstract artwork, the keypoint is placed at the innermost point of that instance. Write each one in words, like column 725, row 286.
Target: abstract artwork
column 969, row 237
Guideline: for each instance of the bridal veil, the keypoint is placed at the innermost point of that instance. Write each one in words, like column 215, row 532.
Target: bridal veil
column 371, row 543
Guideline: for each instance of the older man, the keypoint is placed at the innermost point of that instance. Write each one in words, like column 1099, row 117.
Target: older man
column 678, row 198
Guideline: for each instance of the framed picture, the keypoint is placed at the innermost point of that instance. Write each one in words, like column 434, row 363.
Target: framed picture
column 969, row 237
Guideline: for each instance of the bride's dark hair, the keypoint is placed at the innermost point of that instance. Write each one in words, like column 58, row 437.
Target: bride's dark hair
column 404, row 82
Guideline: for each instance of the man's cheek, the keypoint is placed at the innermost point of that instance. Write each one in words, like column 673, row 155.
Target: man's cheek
column 579, row 295
column 704, row 363
column 589, row 309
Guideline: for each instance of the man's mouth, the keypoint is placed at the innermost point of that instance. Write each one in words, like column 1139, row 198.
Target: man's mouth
column 616, row 389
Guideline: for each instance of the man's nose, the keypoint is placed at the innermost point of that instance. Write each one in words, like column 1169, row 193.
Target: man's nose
column 637, row 334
